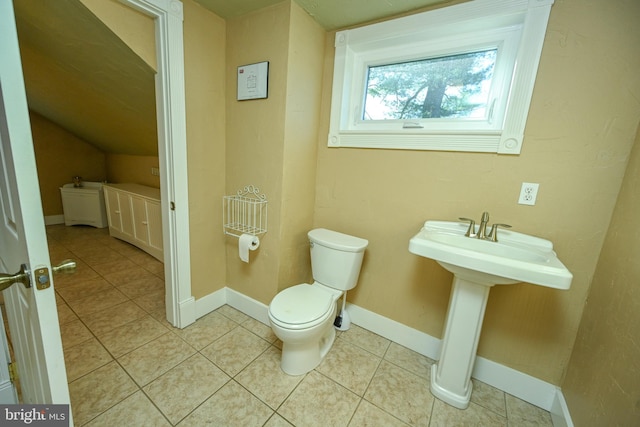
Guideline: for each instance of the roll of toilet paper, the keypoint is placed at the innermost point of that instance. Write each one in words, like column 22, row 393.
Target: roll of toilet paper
column 246, row 243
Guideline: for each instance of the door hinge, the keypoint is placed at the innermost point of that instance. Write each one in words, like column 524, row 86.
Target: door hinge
column 13, row 372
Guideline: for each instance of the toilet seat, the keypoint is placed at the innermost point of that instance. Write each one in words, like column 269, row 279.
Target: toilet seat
column 301, row 306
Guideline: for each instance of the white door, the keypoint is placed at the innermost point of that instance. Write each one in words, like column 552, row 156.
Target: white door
column 32, row 313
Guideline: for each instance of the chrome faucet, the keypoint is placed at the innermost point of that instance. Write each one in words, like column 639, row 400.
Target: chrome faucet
column 482, row 229
column 493, row 234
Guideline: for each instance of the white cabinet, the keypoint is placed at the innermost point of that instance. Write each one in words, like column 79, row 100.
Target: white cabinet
column 84, row 205
column 135, row 216
column 119, row 213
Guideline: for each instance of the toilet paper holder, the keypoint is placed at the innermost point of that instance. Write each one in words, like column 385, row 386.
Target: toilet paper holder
column 245, row 212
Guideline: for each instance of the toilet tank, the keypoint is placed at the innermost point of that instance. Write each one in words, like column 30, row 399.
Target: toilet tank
column 336, row 258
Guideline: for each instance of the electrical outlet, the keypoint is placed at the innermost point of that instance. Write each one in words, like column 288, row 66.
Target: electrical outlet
column 528, row 193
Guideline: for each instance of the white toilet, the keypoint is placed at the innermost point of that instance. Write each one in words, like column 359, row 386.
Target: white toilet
column 302, row 316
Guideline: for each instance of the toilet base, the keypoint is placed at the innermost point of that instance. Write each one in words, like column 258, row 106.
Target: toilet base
column 298, row 358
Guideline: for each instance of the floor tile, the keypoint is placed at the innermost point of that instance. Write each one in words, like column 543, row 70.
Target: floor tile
column 98, row 391
column 206, row 330
column 143, row 286
column 410, row 399
column 97, row 302
column 233, row 314
column 264, row 378
column 155, row 267
column 365, row 339
column 84, row 289
column 194, row 381
column 128, row 275
column 232, row 406
column 474, row 415
column 65, row 314
column 489, row 397
column 320, row 402
column 277, row 421
column 235, row 350
column 350, row 366
column 111, row 267
column 409, row 360
column 73, row 333
column 102, row 256
column 123, row 248
column 368, row 415
column 151, row 301
column 83, row 272
column 260, row 329
column 110, row 318
column 135, row 410
column 132, row 335
column 153, row 359
column 84, row 358
column 521, row 413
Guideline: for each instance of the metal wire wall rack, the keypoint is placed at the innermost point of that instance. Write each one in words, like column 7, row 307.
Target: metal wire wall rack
column 245, row 212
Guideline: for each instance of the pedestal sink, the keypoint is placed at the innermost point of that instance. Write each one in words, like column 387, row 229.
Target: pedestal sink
column 477, row 265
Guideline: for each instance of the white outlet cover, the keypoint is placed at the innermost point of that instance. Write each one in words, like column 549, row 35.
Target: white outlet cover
column 528, row 193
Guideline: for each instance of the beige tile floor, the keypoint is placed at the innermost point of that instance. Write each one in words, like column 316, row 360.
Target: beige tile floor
column 127, row 366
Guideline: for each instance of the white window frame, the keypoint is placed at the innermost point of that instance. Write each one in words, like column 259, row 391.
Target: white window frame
column 516, row 27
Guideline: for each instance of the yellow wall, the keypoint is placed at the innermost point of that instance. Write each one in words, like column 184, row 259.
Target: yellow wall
column 271, row 143
column 204, row 56
column 302, row 115
column 136, row 169
column 255, row 132
column 601, row 387
column 60, row 156
column 578, row 136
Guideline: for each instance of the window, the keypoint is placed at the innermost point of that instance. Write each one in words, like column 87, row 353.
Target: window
column 455, row 86
column 441, row 80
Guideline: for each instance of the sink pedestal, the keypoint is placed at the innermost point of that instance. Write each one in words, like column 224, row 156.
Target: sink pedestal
column 451, row 376
column 477, row 265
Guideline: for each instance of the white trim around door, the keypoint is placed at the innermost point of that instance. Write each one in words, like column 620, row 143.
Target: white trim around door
column 172, row 153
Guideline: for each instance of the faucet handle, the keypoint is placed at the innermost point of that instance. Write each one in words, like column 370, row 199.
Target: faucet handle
column 471, row 231
column 493, row 234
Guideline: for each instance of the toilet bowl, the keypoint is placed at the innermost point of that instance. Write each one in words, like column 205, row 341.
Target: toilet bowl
column 302, row 316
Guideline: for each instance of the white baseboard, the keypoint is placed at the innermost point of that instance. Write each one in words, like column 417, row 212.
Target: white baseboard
column 53, row 219
column 560, row 411
column 533, row 390
column 211, row 302
column 248, row 306
column 397, row 332
column 186, row 312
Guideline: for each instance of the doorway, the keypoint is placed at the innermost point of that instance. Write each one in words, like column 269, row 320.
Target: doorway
column 171, row 128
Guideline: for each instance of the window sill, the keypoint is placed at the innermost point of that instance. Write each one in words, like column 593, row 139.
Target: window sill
column 487, row 142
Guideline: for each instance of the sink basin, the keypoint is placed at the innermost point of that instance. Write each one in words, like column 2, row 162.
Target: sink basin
column 477, row 265
column 516, row 257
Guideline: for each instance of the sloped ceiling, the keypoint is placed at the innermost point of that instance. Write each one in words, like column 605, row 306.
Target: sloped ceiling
column 80, row 75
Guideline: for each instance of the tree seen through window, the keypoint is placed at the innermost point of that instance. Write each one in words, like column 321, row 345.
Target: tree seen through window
column 454, row 86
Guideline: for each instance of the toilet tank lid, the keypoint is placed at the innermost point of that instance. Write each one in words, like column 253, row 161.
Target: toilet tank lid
column 336, row 240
